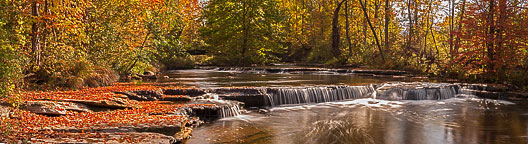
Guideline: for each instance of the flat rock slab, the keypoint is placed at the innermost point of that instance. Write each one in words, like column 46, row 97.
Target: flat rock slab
column 189, row 92
column 141, row 96
column 166, row 129
column 129, row 137
column 53, row 108
column 116, row 103
column 176, row 98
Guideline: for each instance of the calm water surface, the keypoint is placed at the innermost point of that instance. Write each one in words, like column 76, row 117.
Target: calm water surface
column 212, row 78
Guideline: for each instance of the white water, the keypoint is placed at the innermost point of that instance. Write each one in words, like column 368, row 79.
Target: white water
column 283, row 96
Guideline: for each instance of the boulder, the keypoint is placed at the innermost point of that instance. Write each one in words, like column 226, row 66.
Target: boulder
column 148, row 73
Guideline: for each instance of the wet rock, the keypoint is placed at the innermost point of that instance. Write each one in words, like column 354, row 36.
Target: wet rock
column 148, row 75
column 53, row 108
column 150, row 94
column 133, row 96
column 250, row 97
column 237, row 91
column 263, row 111
column 177, row 98
column 485, row 87
column 215, row 109
column 516, row 95
column 249, row 100
column 189, row 92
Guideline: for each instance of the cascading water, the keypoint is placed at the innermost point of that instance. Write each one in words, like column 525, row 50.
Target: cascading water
column 416, row 91
column 277, row 96
column 229, row 111
column 282, row 96
column 219, row 109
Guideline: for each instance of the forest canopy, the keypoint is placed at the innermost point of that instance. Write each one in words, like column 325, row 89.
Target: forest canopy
column 50, row 43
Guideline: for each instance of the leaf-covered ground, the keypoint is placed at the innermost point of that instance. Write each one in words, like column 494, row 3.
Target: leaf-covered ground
column 24, row 125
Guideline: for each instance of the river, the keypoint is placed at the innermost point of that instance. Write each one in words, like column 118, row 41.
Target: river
column 454, row 119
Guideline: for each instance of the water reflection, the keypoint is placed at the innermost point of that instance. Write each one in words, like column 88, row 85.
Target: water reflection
column 413, row 122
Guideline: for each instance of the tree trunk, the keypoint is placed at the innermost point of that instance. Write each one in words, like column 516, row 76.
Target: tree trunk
column 45, row 33
column 35, row 37
column 410, row 30
column 365, row 34
column 490, row 38
column 372, row 29
column 245, row 30
column 462, row 11
column 451, row 23
column 335, row 31
column 347, row 29
column 387, row 20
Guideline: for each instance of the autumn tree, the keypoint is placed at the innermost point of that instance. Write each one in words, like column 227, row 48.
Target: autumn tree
column 491, row 39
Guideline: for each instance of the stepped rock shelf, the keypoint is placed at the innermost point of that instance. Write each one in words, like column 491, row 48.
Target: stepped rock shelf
column 164, row 113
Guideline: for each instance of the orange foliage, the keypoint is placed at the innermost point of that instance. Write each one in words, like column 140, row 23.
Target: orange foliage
column 25, row 125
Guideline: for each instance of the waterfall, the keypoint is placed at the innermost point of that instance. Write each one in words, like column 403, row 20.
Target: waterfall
column 416, row 91
column 229, row 111
column 282, row 96
column 276, row 96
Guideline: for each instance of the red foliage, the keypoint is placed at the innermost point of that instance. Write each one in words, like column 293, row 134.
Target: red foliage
column 492, row 38
column 24, row 125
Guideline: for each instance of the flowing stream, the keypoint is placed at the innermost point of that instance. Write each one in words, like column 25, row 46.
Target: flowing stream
column 289, row 106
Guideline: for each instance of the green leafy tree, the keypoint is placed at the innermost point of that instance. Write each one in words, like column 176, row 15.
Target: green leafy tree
column 11, row 38
column 243, row 32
